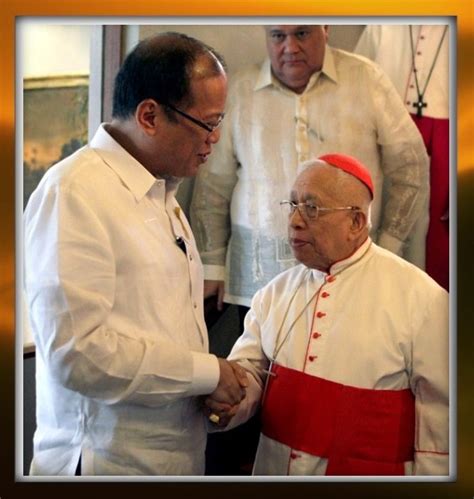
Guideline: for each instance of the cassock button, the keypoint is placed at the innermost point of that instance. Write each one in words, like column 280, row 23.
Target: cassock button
column 316, row 335
column 294, row 455
column 330, row 278
column 320, row 314
column 312, row 358
column 325, row 294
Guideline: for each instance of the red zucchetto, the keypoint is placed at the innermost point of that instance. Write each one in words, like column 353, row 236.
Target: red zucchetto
column 351, row 166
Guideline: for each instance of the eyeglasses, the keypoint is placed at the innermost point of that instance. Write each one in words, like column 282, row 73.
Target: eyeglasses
column 309, row 210
column 205, row 126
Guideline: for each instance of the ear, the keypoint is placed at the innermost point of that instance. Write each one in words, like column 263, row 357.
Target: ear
column 358, row 224
column 326, row 32
column 147, row 116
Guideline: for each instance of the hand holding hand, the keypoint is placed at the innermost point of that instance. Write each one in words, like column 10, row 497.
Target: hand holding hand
column 232, row 383
column 219, row 413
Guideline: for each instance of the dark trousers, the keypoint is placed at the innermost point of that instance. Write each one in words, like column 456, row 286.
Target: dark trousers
column 232, row 452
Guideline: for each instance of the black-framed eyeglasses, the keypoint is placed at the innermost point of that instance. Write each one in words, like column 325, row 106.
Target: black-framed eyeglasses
column 209, row 128
column 309, row 210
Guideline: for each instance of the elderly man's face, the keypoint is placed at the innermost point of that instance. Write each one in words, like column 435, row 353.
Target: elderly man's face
column 320, row 243
column 296, row 52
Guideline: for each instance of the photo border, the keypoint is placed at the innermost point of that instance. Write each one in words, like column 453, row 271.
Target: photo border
column 463, row 13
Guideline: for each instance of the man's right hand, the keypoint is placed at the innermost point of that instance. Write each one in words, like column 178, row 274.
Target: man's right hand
column 232, row 383
column 215, row 288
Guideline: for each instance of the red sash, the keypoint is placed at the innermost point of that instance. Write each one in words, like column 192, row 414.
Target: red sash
column 359, row 431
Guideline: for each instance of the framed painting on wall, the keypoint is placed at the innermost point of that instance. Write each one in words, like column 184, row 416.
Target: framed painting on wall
column 55, row 124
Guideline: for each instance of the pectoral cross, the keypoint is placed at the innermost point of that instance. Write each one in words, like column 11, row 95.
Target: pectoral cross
column 419, row 106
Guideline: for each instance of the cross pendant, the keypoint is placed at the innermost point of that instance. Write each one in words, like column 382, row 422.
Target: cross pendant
column 419, row 106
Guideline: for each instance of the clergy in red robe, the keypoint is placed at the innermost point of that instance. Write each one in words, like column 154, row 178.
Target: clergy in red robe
column 416, row 58
column 348, row 351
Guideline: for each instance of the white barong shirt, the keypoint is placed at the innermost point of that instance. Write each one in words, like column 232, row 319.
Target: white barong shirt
column 116, row 312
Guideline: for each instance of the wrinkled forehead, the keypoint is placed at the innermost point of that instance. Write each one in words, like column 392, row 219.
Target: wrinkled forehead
column 315, row 181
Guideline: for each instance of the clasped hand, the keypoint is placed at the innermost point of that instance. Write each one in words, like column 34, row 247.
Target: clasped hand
column 224, row 401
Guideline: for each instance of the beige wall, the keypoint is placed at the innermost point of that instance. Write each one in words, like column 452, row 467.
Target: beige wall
column 52, row 50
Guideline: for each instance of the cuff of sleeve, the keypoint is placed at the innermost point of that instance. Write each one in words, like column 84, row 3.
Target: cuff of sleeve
column 390, row 243
column 214, row 273
column 433, row 464
column 205, row 373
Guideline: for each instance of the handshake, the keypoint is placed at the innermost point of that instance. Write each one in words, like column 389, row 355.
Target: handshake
column 222, row 404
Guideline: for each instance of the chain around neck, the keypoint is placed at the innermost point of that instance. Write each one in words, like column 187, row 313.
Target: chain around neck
column 421, row 93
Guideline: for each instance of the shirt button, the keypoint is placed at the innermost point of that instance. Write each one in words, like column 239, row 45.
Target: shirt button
column 408, row 102
column 325, row 294
column 312, row 358
column 195, row 305
column 191, row 257
column 320, row 314
column 418, row 53
column 316, row 335
column 412, row 86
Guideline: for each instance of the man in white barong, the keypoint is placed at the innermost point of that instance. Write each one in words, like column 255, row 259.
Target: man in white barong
column 348, row 351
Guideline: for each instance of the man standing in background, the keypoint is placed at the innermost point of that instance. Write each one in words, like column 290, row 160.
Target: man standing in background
column 416, row 58
column 306, row 99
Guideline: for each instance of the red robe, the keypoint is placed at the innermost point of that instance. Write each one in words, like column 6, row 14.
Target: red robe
column 435, row 132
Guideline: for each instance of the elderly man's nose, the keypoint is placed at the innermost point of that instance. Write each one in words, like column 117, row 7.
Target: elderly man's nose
column 296, row 219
